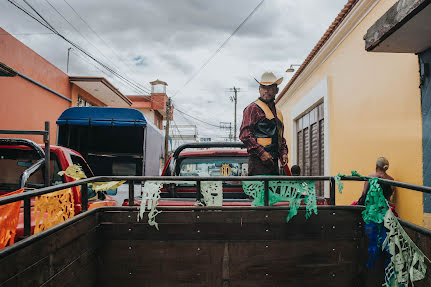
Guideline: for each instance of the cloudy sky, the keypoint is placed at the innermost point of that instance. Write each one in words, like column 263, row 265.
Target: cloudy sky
column 171, row 40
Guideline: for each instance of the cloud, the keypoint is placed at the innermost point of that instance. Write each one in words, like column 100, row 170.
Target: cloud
column 170, row 40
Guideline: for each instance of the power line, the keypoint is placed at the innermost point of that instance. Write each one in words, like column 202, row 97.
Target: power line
column 51, row 28
column 176, row 126
column 79, row 32
column 97, row 34
column 213, row 125
column 221, row 46
column 26, row 34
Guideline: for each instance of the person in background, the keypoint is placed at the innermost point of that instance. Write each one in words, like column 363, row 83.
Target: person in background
column 382, row 165
column 295, row 170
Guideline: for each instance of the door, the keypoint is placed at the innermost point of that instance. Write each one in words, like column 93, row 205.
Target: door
column 425, row 73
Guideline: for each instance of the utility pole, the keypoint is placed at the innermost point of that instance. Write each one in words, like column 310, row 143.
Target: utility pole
column 227, row 126
column 168, row 118
column 234, row 99
column 68, row 56
column 234, row 123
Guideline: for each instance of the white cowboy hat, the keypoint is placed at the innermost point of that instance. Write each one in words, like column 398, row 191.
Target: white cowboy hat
column 268, row 78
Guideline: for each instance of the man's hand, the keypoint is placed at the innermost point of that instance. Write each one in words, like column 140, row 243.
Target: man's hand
column 267, row 158
column 284, row 159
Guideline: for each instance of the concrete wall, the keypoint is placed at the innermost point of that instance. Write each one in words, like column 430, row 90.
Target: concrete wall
column 373, row 109
column 25, row 106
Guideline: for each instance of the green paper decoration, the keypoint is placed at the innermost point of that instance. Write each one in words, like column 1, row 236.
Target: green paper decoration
column 407, row 260
column 149, row 201
column 284, row 191
column 338, row 182
column 375, row 203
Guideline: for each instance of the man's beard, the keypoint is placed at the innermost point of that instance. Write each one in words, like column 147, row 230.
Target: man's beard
column 267, row 101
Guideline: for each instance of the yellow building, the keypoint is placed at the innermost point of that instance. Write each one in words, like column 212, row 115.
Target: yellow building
column 344, row 107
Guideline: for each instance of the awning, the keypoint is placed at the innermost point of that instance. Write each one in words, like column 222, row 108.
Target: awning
column 101, row 116
column 404, row 28
column 102, row 89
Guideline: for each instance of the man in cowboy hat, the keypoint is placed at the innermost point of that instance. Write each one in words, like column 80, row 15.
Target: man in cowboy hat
column 262, row 130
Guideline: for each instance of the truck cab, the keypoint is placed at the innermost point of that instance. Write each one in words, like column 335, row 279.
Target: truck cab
column 22, row 165
column 208, row 159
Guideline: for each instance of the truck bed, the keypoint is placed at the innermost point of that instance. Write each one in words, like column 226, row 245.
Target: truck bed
column 231, row 246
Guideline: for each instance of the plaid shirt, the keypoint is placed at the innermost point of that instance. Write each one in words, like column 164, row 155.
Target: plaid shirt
column 252, row 115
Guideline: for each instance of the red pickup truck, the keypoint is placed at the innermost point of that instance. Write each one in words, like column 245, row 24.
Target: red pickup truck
column 22, row 166
column 208, row 159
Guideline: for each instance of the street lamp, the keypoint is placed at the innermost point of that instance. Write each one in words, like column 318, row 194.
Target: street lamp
column 68, row 56
column 291, row 69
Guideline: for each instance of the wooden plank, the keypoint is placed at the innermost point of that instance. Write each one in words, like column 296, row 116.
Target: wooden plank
column 293, row 263
column 155, row 263
column 202, row 263
column 57, row 247
column 80, row 272
column 258, row 216
column 31, row 275
column 236, row 225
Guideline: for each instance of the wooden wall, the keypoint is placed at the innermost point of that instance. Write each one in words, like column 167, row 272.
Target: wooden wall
column 108, row 247
column 64, row 258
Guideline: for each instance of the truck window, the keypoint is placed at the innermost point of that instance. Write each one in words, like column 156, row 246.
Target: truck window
column 84, row 166
column 37, row 178
column 13, row 162
column 214, row 166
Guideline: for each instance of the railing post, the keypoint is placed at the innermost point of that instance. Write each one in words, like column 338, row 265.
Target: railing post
column 132, row 193
column 198, row 191
column 27, row 216
column 84, row 197
column 266, row 193
column 332, row 191
column 47, row 155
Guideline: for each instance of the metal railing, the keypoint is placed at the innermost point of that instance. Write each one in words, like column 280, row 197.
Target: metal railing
column 34, row 167
column 26, row 196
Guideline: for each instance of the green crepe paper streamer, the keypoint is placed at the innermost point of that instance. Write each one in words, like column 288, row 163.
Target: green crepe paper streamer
column 375, row 203
column 407, row 260
column 149, row 201
column 284, row 191
column 338, row 182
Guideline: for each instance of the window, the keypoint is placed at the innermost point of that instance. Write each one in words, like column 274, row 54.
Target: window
column 83, row 103
column 84, row 166
column 13, row 162
column 227, row 166
column 310, row 151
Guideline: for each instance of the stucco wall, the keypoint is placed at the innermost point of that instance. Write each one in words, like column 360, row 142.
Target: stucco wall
column 25, row 106
column 374, row 109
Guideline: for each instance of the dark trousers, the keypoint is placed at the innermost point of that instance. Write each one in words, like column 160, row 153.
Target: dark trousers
column 258, row 167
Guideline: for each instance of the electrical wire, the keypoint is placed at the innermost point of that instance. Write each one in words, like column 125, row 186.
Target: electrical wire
column 220, row 47
column 176, row 126
column 47, row 25
column 97, row 34
column 213, row 125
column 79, row 32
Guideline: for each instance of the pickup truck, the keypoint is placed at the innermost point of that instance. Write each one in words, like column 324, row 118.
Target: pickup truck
column 22, row 166
column 208, row 159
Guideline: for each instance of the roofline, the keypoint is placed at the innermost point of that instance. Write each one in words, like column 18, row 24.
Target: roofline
column 105, row 82
column 326, row 36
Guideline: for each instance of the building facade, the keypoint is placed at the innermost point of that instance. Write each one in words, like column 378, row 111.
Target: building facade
column 345, row 107
column 40, row 92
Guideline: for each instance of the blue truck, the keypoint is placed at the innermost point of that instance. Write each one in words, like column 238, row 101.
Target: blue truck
column 114, row 141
